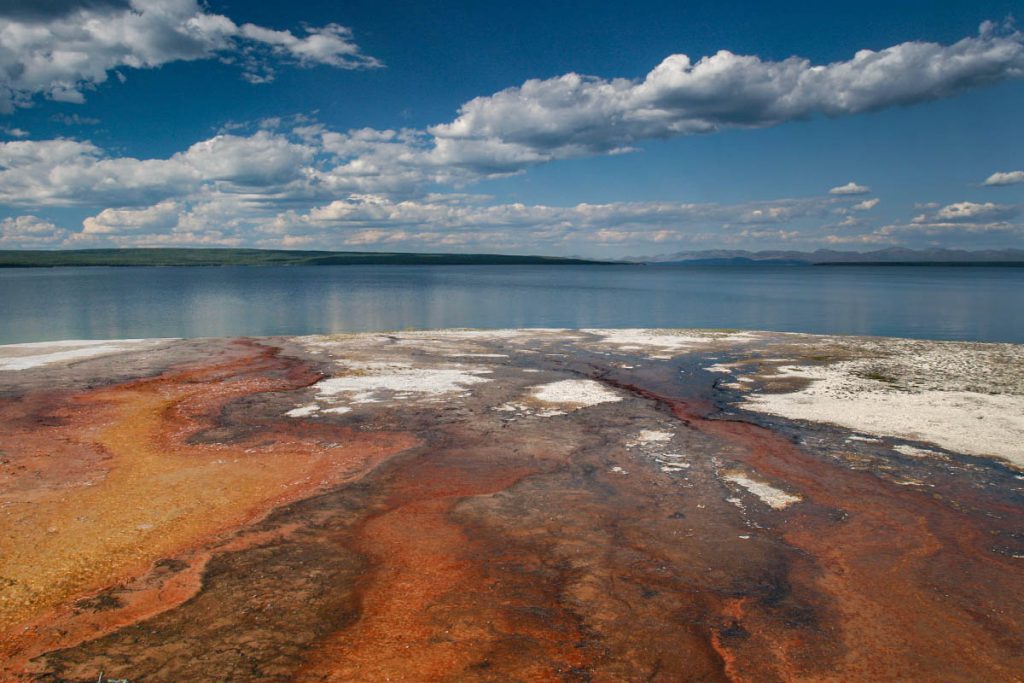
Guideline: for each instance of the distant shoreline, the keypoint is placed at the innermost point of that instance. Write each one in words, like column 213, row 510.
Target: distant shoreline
column 214, row 257
column 971, row 264
column 805, row 264
column 261, row 257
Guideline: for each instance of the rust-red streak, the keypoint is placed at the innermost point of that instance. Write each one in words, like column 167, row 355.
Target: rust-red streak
column 917, row 593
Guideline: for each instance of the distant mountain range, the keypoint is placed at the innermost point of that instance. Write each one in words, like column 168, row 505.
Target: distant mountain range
column 890, row 256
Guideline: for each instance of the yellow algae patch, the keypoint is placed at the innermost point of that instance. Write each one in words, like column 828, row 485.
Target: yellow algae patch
column 161, row 494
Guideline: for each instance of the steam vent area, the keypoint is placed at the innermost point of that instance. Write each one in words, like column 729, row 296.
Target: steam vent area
column 512, row 505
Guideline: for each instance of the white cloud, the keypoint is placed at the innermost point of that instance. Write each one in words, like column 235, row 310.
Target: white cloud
column 68, row 172
column 331, row 45
column 1007, row 178
column 74, row 120
column 969, row 212
column 866, row 239
column 850, row 188
column 30, row 232
column 967, row 224
column 459, row 222
column 279, row 184
column 493, row 136
column 260, row 160
column 573, row 115
column 62, row 51
column 65, row 172
column 446, row 221
column 158, row 218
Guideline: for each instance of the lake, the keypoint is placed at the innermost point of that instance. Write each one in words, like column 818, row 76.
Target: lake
column 936, row 302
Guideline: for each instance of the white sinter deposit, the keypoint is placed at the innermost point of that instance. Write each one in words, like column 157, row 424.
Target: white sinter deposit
column 776, row 499
column 651, row 442
column 574, row 393
column 649, row 436
column 38, row 354
column 967, row 398
column 373, row 382
column 663, row 344
column 387, row 382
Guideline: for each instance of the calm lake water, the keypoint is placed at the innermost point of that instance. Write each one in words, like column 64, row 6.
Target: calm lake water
column 985, row 304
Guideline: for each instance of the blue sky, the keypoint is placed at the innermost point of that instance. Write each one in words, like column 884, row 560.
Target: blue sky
column 556, row 128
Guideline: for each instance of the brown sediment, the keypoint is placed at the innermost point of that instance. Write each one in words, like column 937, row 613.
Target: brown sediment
column 916, row 592
column 143, row 492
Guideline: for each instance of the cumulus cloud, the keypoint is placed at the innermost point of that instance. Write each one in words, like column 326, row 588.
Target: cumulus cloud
column 1005, row 178
column 158, row 218
column 293, row 182
column 275, row 188
column 493, row 136
column 968, row 224
column 30, row 232
column 66, row 172
column 447, row 221
column 438, row 222
column 962, row 212
column 866, row 205
column 864, row 239
column 574, row 114
column 61, row 49
column 260, row 160
column 850, row 188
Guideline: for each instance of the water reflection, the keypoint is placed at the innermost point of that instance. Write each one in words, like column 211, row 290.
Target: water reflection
column 943, row 303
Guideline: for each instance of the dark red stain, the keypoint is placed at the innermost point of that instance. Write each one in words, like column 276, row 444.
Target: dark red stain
column 916, row 592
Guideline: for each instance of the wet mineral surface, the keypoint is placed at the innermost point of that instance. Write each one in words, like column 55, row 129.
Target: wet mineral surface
column 521, row 505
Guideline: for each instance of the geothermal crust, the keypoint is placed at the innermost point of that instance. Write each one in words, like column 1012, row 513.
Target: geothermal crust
column 512, row 505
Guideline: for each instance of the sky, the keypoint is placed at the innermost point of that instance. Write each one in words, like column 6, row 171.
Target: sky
column 597, row 129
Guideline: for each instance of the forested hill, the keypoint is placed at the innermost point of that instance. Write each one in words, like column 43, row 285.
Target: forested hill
column 257, row 257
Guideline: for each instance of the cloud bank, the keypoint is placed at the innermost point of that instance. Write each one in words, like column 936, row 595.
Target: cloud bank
column 62, row 49
column 298, row 183
column 574, row 115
